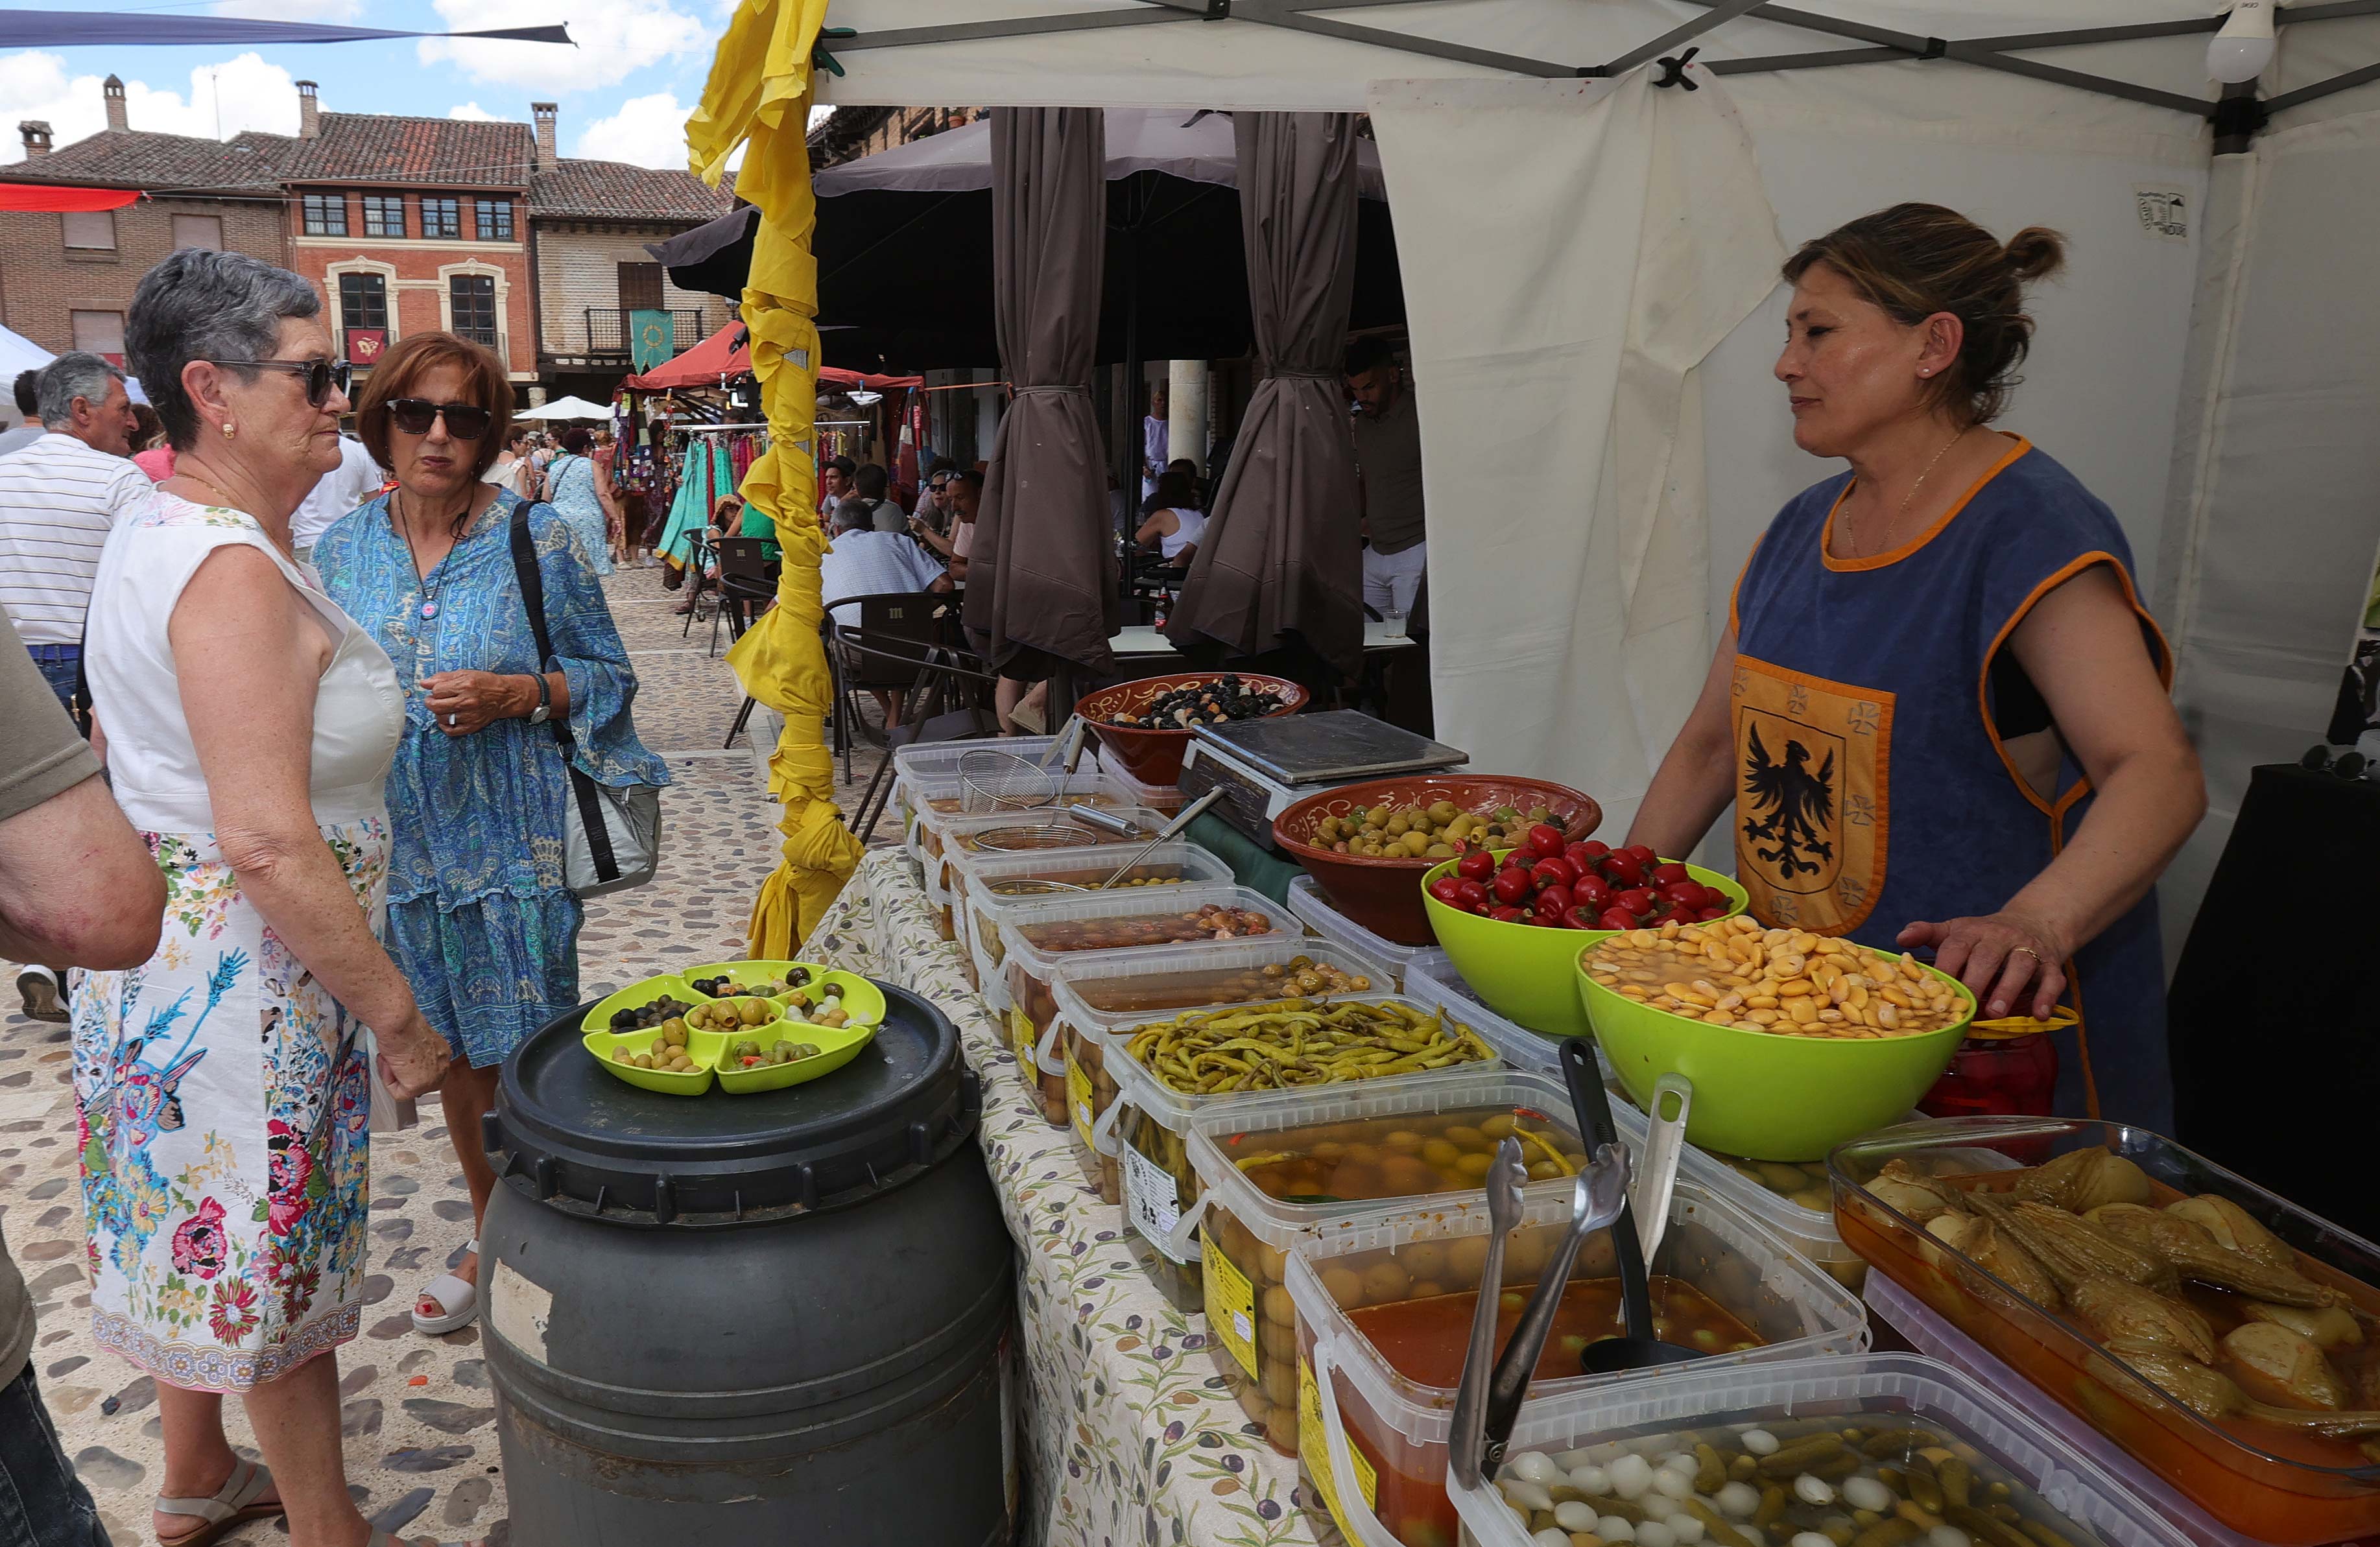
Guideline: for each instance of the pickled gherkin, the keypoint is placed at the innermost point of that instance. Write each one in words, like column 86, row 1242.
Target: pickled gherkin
column 1300, row 1042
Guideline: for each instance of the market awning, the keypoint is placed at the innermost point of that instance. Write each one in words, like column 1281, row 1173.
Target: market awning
column 566, row 408
column 56, row 200
column 726, row 357
column 144, row 29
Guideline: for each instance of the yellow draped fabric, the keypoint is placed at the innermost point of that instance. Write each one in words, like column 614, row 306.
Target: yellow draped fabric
column 758, row 95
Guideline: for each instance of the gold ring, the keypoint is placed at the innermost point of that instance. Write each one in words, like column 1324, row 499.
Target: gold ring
column 2029, row 951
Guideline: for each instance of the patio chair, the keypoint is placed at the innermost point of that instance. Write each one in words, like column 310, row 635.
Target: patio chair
column 748, row 581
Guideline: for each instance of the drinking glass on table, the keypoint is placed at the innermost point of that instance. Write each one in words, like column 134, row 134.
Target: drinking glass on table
column 1392, row 622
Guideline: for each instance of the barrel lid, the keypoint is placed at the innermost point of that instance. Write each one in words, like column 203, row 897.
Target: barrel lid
column 567, row 1134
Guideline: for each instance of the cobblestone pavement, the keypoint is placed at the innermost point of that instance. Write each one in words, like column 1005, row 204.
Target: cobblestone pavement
column 418, row 1415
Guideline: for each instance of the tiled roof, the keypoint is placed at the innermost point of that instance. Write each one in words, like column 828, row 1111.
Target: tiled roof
column 385, row 148
column 134, row 159
column 615, row 191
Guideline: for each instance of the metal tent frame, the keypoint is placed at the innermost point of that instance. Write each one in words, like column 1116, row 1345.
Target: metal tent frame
column 2236, row 113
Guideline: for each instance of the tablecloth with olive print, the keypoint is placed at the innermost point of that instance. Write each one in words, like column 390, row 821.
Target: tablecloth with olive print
column 1130, row 1435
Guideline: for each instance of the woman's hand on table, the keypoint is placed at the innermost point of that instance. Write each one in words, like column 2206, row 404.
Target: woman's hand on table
column 463, row 702
column 1997, row 955
column 413, row 1056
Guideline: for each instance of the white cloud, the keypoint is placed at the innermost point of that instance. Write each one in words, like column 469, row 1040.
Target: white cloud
column 293, row 10
column 616, row 39
column 649, row 131
column 473, row 112
column 223, row 99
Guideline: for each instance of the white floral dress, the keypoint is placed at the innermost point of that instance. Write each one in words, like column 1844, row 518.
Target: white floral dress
column 222, row 1090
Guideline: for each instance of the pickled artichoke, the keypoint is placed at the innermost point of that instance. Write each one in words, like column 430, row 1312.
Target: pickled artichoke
column 2195, row 1254
column 2333, row 1326
column 1996, row 1254
column 2212, row 1395
column 2082, row 1180
column 2234, row 1228
column 2073, row 1248
column 2289, row 1360
column 2114, row 1308
column 1922, row 1198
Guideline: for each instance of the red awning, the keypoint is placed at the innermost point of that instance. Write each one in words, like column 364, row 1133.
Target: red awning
column 725, row 356
column 50, row 198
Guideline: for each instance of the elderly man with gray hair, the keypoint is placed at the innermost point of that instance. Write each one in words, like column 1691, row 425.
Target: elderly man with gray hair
column 60, row 498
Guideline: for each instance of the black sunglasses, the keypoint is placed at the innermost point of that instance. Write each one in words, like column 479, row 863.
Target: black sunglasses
column 465, row 421
column 321, row 375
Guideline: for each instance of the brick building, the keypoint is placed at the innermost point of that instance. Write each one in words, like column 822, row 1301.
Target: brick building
column 849, row 133
column 405, row 224
column 69, row 279
column 588, row 224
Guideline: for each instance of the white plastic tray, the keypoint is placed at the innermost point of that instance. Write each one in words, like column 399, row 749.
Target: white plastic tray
column 1306, row 900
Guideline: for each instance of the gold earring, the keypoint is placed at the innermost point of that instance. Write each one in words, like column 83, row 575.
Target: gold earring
column 229, row 430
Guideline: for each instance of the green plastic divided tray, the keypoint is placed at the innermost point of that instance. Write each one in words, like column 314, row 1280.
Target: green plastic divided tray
column 863, row 1001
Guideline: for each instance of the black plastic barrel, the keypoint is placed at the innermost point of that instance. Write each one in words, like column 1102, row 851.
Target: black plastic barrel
column 764, row 1318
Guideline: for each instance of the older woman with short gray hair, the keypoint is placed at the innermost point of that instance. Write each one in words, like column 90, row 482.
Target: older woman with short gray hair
column 223, row 1085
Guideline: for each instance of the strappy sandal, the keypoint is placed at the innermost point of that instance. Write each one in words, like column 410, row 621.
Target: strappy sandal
column 460, row 1298
column 239, row 1501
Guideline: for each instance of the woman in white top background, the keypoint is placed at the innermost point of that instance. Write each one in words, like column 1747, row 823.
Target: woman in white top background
column 511, row 468
column 1171, row 522
column 222, row 1085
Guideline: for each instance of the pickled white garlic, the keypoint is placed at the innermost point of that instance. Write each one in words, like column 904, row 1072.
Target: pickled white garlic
column 1810, row 1539
column 1573, row 1516
column 1551, row 1538
column 1741, row 1499
column 1539, row 1468
column 1527, row 1495
column 1673, row 1483
column 1592, row 1479
column 1653, row 1533
column 1760, row 1442
column 1630, row 1475
column 1688, row 1528
column 1611, row 1528
column 1813, row 1491
column 1866, row 1493
column 1948, row 1536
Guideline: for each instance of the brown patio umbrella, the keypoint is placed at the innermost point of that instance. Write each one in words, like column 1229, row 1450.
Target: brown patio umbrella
column 1282, row 560
column 1042, row 589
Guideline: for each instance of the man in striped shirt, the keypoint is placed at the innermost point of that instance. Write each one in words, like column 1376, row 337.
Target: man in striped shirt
column 60, row 498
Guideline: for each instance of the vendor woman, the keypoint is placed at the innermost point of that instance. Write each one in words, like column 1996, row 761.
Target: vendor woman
column 1941, row 707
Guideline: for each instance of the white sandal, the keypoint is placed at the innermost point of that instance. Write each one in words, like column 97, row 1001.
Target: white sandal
column 239, row 1501
column 460, row 1298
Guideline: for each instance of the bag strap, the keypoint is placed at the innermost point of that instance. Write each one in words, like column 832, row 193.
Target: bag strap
column 582, row 787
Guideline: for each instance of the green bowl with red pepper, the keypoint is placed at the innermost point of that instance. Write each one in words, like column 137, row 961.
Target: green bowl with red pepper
column 1525, row 963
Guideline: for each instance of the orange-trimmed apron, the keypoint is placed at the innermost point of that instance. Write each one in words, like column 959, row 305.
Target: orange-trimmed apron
column 1873, row 699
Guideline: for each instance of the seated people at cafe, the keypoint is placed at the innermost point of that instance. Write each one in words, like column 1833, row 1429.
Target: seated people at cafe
column 868, row 485
column 962, row 494
column 862, row 562
column 1171, row 520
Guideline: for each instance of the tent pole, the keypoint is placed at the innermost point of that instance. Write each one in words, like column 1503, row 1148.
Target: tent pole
column 2321, row 89
column 1720, row 13
column 1136, row 398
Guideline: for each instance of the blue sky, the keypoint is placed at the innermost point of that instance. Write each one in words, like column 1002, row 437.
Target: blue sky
column 624, row 91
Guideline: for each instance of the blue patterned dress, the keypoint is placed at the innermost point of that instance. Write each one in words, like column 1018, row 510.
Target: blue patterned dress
column 478, row 917
column 572, row 480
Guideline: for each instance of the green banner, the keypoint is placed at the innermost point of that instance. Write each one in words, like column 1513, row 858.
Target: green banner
column 653, row 338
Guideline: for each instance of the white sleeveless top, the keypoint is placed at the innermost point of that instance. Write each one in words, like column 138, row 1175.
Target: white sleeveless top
column 136, row 693
column 1191, row 526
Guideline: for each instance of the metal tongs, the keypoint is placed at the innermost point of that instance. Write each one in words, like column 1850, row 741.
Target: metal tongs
column 1488, row 1403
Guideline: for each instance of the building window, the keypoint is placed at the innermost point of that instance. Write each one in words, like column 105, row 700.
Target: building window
column 98, row 333
column 495, row 220
column 384, row 214
column 198, row 231
column 90, row 231
column 326, row 214
column 363, row 301
column 472, row 300
column 441, row 217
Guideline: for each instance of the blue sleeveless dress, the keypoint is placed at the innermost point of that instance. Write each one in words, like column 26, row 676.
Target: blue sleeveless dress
column 1871, row 701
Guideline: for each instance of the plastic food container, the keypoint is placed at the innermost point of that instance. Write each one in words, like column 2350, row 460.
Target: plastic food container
column 1431, row 978
column 1249, row 1216
column 939, row 761
column 1144, row 1129
column 1647, row 1419
column 1167, row 798
column 1781, row 1197
column 1036, row 941
column 1890, row 1305
column 1306, row 900
column 945, row 839
column 1362, row 1408
column 987, row 886
column 2270, row 1484
column 1110, row 994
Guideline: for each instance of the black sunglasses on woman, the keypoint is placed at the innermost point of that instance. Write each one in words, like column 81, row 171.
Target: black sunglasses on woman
column 321, row 375
column 465, row 421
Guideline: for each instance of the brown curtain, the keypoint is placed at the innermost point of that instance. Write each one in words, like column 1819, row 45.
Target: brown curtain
column 1281, row 555
column 1040, row 583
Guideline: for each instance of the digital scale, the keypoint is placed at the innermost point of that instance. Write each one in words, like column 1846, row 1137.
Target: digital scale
column 1265, row 765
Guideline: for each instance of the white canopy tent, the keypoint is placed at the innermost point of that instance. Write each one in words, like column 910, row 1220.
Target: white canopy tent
column 1589, row 267
column 565, row 408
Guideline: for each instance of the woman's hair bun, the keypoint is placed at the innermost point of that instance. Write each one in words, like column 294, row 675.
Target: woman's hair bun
column 2035, row 252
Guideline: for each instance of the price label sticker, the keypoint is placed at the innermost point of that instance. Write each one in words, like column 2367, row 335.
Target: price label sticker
column 1313, row 1443
column 1231, row 1304
column 1078, row 1099
column 1151, row 1202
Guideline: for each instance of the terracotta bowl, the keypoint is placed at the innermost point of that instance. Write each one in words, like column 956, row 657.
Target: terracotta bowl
column 1384, row 895
column 1155, row 756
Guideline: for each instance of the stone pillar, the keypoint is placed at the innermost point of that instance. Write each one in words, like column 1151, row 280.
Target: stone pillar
column 1185, row 417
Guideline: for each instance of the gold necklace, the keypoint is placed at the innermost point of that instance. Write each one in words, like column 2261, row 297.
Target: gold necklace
column 1850, row 524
